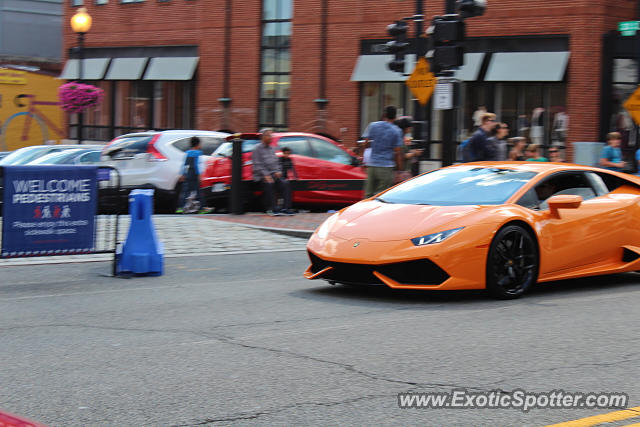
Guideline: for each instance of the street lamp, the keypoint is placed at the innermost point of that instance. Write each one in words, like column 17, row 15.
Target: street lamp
column 81, row 24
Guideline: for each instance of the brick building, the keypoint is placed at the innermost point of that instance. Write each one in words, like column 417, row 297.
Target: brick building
column 319, row 65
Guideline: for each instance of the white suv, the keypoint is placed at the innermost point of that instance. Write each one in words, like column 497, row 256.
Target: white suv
column 154, row 159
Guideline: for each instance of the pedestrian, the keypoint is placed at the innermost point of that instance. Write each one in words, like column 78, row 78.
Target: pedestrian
column 480, row 147
column 267, row 170
column 190, row 176
column 385, row 140
column 554, row 155
column 286, row 165
column 523, row 125
column 517, row 153
column 611, row 155
column 477, row 116
column 533, row 153
column 411, row 155
column 498, row 138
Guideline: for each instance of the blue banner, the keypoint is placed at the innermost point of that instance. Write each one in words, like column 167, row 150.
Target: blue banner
column 48, row 210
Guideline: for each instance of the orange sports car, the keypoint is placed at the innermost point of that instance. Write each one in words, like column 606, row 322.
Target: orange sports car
column 499, row 226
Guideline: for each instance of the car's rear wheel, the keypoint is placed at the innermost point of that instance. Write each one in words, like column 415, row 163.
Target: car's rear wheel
column 512, row 264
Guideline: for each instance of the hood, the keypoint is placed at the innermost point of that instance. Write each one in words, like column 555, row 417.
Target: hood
column 378, row 221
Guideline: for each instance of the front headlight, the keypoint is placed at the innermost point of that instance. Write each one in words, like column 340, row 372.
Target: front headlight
column 430, row 239
column 323, row 230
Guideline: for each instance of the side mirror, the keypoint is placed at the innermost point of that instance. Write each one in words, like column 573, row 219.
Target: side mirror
column 563, row 201
column 355, row 161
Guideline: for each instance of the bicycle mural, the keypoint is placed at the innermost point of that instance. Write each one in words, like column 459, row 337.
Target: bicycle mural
column 30, row 113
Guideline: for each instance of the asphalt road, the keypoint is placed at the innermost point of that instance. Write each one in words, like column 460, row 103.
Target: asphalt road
column 245, row 340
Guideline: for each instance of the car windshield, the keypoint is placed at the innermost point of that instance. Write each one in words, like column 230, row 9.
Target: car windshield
column 59, row 157
column 459, row 186
column 24, row 155
column 226, row 149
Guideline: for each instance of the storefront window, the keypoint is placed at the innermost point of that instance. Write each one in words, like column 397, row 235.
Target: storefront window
column 377, row 95
column 98, row 119
column 624, row 84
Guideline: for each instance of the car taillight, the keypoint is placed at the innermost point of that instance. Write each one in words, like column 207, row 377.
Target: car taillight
column 156, row 156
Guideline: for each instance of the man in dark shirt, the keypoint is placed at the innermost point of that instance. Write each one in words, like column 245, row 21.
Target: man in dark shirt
column 481, row 147
column 266, row 169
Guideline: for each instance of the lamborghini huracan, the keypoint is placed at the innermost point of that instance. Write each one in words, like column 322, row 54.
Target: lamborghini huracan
column 499, row 226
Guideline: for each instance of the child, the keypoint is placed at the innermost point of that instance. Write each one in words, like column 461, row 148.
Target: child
column 611, row 156
column 191, row 176
column 533, row 154
column 286, row 165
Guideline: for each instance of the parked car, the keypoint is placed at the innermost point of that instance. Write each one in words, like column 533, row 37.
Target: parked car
column 328, row 173
column 90, row 155
column 154, row 159
column 24, row 155
column 12, row 420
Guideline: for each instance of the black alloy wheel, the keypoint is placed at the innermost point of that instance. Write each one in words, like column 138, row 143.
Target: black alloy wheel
column 512, row 264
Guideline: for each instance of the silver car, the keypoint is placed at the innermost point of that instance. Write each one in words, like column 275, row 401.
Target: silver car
column 154, row 159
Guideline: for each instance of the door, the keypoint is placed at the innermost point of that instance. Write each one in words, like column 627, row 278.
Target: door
column 338, row 177
column 590, row 234
column 303, row 162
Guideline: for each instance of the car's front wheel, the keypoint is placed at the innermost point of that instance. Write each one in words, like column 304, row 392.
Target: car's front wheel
column 512, row 264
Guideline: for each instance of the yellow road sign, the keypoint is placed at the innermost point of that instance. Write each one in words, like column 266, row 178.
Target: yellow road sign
column 632, row 105
column 422, row 82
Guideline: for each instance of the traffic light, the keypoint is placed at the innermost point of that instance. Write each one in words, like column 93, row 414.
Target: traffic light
column 398, row 46
column 447, row 34
column 471, row 8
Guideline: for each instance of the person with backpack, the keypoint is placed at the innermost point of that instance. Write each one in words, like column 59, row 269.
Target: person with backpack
column 190, row 176
column 480, row 147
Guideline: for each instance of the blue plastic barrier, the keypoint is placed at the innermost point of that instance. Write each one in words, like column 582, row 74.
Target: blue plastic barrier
column 141, row 252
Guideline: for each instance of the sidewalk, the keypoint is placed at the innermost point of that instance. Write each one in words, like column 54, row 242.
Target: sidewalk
column 192, row 235
column 300, row 225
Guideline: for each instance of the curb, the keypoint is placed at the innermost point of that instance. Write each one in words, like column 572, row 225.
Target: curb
column 303, row 234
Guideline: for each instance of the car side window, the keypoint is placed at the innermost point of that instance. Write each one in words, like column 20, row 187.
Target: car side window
column 91, row 157
column 529, row 200
column 597, row 183
column 298, row 145
column 572, row 183
column 327, row 151
column 183, row 144
column 209, row 144
column 611, row 181
column 127, row 147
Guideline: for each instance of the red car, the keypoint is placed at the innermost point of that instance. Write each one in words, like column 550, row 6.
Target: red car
column 11, row 420
column 328, row 173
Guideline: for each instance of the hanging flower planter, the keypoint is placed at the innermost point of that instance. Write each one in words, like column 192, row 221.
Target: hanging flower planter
column 76, row 97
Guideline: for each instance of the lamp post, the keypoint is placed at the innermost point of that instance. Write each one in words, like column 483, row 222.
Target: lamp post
column 81, row 24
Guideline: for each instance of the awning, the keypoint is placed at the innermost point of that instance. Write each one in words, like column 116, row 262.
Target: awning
column 527, row 67
column 92, row 69
column 171, row 68
column 126, row 69
column 471, row 68
column 373, row 68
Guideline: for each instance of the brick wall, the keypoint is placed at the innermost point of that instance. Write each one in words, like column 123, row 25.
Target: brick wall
column 200, row 22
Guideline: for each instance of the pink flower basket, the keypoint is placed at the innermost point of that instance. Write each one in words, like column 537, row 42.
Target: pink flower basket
column 76, row 97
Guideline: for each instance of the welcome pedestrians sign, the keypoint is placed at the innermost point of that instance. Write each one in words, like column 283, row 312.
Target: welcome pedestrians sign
column 48, row 210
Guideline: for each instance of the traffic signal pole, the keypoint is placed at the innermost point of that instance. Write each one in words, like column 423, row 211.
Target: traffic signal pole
column 449, row 115
column 420, row 111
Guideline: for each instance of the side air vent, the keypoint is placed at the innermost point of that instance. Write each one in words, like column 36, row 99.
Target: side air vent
column 629, row 256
